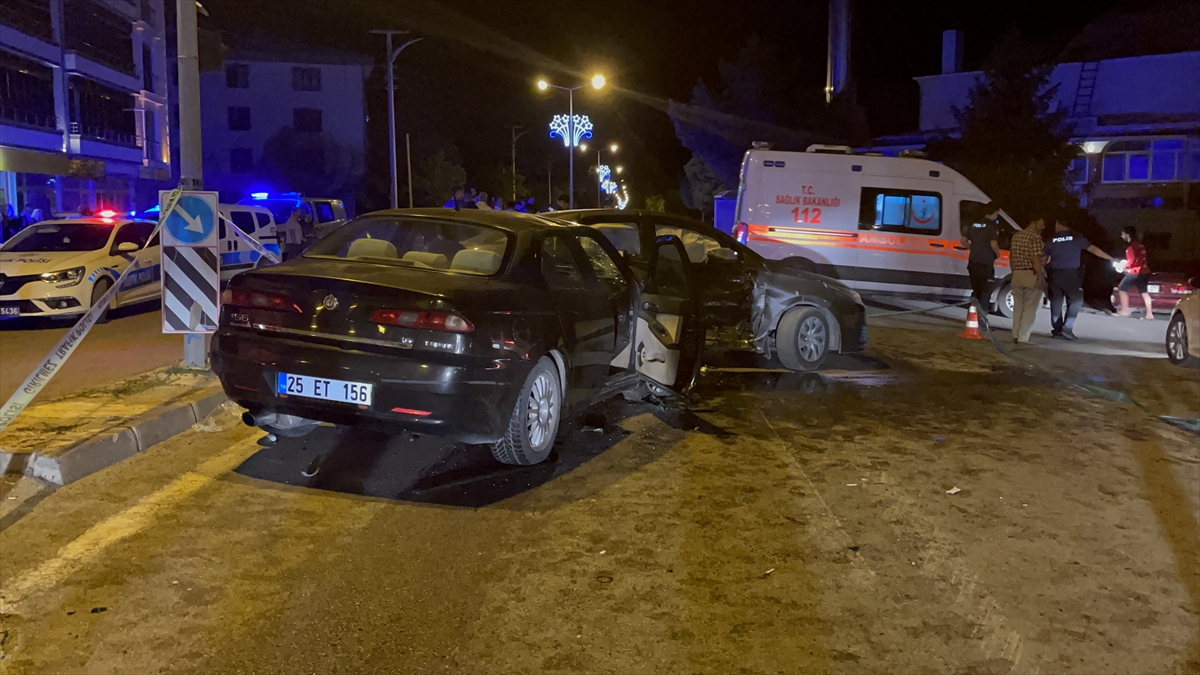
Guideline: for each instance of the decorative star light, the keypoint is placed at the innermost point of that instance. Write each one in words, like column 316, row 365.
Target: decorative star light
column 603, row 172
column 609, row 186
column 622, row 200
column 560, row 126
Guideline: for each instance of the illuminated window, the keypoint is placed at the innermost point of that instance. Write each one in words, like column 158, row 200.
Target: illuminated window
column 1140, row 161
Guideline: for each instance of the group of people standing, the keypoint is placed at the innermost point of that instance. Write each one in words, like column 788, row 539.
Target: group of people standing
column 14, row 222
column 469, row 198
column 1053, row 267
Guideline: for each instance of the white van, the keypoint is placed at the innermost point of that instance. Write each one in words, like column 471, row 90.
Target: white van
column 237, row 255
column 878, row 224
column 300, row 220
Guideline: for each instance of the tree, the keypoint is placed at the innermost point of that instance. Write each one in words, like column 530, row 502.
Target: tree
column 656, row 203
column 499, row 182
column 702, row 184
column 1014, row 145
column 311, row 163
column 437, row 175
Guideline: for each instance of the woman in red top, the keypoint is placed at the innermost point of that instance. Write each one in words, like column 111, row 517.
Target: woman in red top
column 1137, row 274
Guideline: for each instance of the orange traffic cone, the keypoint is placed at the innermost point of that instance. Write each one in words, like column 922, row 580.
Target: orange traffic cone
column 971, row 332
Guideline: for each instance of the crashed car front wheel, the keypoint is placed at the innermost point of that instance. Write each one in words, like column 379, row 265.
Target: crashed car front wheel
column 802, row 339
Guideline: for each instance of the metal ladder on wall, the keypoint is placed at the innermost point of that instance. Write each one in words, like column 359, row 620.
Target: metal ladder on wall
column 1087, row 86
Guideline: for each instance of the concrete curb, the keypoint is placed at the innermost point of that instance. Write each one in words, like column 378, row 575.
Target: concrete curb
column 115, row 444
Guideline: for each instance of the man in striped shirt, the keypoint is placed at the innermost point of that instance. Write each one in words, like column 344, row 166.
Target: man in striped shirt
column 1026, row 258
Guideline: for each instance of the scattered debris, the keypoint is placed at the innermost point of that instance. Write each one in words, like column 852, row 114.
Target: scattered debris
column 851, row 484
column 604, row 579
column 71, row 613
column 604, row 551
column 768, row 573
column 97, row 610
column 939, row 438
column 955, row 490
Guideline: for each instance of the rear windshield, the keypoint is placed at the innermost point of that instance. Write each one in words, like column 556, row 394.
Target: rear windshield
column 463, row 248
column 60, row 237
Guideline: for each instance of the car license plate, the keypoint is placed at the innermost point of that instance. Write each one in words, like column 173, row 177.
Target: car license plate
column 1152, row 288
column 10, row 309
column 356, row 393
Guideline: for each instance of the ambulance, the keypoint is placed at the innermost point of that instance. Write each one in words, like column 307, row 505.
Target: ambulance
column 879, row 224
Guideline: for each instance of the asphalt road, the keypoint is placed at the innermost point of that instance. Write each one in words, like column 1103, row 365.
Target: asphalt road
column 785, row 523
column 132, row 343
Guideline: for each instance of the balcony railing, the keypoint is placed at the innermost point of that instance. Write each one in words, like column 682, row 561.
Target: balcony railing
column 31, row 17
column 98, row 133
column 28, row 118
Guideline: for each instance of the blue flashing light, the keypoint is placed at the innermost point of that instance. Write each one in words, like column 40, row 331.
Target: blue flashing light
column 260, row 195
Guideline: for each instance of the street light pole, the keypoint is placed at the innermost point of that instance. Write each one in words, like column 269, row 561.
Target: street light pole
column 191, row 157
column 571, row 161
column 391, row 90
column 598, row 82
column 515, row 136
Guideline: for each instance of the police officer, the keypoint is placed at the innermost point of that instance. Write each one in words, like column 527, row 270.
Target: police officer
column 1064, row 277
column 981, row 236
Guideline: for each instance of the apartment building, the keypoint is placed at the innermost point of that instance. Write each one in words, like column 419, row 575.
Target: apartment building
column 83, row 104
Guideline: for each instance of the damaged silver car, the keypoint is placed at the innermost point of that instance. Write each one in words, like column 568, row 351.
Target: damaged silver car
column 796, row 316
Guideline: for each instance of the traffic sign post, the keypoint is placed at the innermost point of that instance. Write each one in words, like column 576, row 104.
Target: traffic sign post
column 191, row 272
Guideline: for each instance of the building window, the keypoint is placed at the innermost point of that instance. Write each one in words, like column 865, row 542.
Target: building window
column 147, row 69
column 26, row 92
column 306, row 79
column 307, row 120
column 99, row 34
column 241, row 160
column 237, row 76
column 101, row 113
column 239, row 118
column 30, row 18
column 897, row 211
column 1141, row 161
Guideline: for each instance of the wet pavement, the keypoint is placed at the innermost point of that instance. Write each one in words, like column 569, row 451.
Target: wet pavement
column 931, row 506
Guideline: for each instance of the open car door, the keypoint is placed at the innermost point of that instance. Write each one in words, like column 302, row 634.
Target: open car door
column 668, row 337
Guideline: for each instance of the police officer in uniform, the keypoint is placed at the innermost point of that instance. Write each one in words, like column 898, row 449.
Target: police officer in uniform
column 981, row 237
column 1064, row 277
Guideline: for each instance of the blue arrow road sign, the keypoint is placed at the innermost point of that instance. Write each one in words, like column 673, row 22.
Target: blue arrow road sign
column 192, row 222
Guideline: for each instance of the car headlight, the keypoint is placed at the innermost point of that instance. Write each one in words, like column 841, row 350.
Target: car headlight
column 65, row 277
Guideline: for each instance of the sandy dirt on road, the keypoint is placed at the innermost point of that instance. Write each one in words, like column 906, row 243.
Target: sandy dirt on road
column 789, row 523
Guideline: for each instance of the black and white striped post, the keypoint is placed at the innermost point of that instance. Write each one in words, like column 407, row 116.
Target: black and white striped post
column 191, row 269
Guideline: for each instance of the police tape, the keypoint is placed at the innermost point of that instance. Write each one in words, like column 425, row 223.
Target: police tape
column 41, row 376
column 254, row 243
column 1114, row 395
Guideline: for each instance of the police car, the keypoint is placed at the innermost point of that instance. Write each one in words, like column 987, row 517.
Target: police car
column 60, row 268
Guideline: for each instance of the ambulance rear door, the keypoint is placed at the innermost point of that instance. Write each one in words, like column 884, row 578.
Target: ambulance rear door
column 803, row 208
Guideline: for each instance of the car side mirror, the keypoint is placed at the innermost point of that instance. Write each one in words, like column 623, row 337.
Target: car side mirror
column 1194, row 282
column 726, row 254
column 128, row 247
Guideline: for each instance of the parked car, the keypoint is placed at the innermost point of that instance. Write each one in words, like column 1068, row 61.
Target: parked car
column 483, row 326
column 1183, row 333
column 1165, row 288
column 237, row 255
column 60, row 268
column 300, row 220
column 798, row 315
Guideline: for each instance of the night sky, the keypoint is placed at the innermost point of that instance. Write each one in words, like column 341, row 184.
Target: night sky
column 474, row 73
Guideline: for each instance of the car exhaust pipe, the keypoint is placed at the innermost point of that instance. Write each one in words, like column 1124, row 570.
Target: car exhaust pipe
column 279, row 424
column 259, row 420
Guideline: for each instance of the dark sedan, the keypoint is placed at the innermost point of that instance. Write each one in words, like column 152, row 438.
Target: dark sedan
column 798, row 315
column 482, row 326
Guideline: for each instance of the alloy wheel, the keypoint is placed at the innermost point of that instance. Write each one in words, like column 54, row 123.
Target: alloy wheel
column 1177, row 340
column 811, row 339
column 542, row 412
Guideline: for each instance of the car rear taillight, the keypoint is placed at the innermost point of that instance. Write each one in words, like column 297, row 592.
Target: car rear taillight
column 741, row 232
column 241, row 297
column 409, row 318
